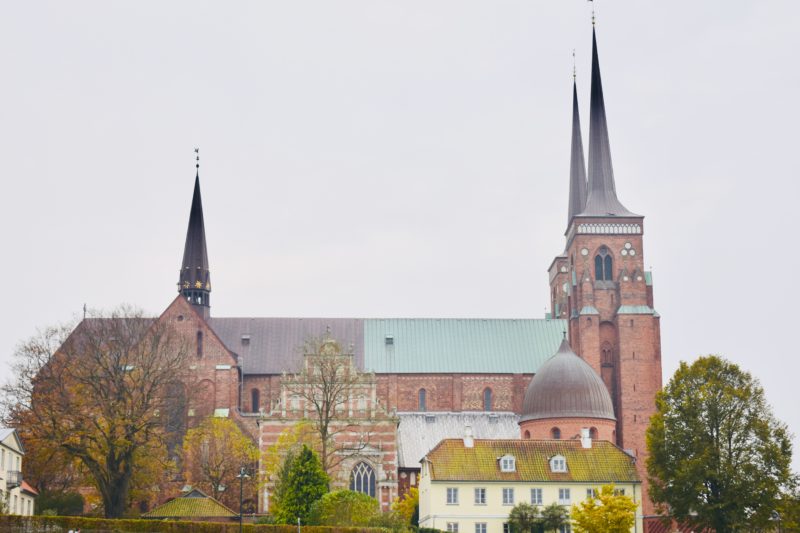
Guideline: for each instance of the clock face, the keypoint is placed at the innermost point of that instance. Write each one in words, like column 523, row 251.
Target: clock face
column 628, row 245
column 563, row 268
column 584, row 252
column 632, row 252
column 624, row 251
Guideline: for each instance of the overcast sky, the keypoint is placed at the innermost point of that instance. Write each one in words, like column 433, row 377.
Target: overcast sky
column 400, row 159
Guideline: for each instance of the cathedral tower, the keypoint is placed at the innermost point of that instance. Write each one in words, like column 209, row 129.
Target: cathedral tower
column 600, row 285
column 194, row 281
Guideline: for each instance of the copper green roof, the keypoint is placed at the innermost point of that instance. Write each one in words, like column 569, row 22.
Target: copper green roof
column 468, row 345
column 602, row 463
column 192, row 505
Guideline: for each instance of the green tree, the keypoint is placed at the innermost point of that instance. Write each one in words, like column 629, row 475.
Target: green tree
column 302, row 483
column 554, row 516
column 344, row 508
column 524, row 517
column 718, row 458
column 607, row 512
column 214, row 453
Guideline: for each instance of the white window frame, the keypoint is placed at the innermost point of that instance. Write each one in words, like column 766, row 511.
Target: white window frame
column 508, row 495
column 564, row 496
column 480, row 491
column 480, row 527
column 591, row 493
column 452, row 527
column 452, row 495
column 508, row 463
column 558, row 463
column 538, row 499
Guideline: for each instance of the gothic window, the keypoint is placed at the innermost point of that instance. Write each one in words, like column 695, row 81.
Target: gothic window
column 603, row 265
column 487, row 399
column 555, row 433
column 199, row 344
column 362, row 479
column 421, row 397
column 607, row 355
column 254, row 400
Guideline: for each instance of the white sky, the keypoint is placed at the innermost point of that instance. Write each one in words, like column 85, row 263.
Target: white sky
column 408, row 158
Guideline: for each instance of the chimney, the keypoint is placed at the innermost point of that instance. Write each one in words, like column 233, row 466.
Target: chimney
column 586, row 439
column 469, row 442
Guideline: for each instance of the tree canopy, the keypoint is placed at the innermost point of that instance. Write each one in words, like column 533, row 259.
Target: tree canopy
column 302, row 483
column 607, row 512
column 344, row 508
column 408, row 507
column 214, row 454
column 718, row 457
column 96, row 396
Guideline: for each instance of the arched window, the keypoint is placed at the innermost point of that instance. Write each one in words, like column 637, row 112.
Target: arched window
column 555, row 433
column 362, row 479
column 593, row 433
column 421, row 400
column 199, row 344
column 255, row 398
column 527, row 434
column 487, row 399
column 603, row 265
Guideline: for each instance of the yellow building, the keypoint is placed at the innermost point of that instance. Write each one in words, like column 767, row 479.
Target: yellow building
column 470, row 485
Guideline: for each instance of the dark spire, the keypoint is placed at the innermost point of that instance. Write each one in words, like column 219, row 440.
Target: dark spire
column 577, row 165
column 195, row 279
column 602, row 195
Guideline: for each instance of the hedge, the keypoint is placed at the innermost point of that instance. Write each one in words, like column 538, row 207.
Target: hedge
column 59, row 524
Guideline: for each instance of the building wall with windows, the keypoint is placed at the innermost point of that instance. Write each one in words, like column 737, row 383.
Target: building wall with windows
column 472, row 489
column 17, row 496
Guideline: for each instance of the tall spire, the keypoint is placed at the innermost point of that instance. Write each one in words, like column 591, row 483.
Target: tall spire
column 195, row 279
column 602, row 196
column 577, row 165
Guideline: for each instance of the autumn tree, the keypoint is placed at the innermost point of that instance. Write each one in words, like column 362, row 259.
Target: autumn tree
column 303, row 482
column 608, row 511
column 408, row 507
column 214, row 453
column 328, row 386
column 718, row 458
column 95, row 396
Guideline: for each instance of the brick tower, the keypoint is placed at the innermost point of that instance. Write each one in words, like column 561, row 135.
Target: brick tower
column 600, row 285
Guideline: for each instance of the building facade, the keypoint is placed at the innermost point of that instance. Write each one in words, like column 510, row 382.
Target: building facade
column 17, row 496
column 470, row 485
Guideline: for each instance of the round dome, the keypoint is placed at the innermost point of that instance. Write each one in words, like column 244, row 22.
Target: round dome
column 566, row 387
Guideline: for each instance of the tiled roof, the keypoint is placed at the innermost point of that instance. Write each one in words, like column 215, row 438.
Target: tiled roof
column 602, row 463
column 27, row 488
column 418, row 433
column 191, row 506
column 419, row 345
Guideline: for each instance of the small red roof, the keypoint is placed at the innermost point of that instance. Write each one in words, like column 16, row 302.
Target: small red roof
column 27, row 488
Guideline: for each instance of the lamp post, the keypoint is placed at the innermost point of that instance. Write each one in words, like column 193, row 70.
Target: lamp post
column 242, row 475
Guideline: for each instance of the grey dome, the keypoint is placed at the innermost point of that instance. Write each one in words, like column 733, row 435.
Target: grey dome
column 566, row 387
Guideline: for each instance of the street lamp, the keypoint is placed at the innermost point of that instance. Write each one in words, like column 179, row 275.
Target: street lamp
column 242, row 476
column 775, row 516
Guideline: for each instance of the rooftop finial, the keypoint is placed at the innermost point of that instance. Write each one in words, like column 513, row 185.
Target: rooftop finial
column 565, row 334
column 593, row 16
column 574, row 70
column 197, row 158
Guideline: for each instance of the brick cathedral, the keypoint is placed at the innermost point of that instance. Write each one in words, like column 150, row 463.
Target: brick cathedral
column 593, row 362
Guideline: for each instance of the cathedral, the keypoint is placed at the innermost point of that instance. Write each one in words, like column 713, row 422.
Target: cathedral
column 593, row 362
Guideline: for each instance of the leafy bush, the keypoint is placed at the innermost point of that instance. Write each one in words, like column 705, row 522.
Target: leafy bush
column 59, row 503
column 344, row 508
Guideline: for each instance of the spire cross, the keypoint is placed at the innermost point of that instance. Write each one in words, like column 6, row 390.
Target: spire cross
column 197, row 158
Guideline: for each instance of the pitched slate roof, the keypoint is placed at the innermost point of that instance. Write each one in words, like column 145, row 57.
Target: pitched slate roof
column 418, row 433
column 602, row 463
column 195, row 504
column 418, row 345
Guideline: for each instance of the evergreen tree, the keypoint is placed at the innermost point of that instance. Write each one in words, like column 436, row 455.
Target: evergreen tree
column 524, row 518
column 301, row 483
column 553, row 517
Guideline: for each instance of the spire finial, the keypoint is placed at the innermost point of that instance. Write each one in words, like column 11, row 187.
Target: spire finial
column 197, row 158
column 574, row 69
column 593, row 16
column 565, row 333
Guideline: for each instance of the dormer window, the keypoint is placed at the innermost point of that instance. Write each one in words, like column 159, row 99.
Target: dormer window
column 508, row 463
column 558, row 463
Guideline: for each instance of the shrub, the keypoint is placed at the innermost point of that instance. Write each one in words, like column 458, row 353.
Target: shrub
column 344, row 508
